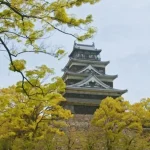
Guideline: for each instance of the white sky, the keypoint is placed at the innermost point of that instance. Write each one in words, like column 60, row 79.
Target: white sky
column 123, row 35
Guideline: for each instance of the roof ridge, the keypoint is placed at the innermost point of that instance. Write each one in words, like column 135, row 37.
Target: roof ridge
column 93, row 45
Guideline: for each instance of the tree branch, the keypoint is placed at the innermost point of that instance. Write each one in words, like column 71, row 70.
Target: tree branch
column 23, row 77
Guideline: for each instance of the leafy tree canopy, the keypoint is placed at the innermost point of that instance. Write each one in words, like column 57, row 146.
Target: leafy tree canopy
column 118, row 122
column 142, row 110
column 34, row 118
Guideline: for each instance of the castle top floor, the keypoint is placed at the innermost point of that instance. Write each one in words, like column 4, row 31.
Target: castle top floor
column 85, row 52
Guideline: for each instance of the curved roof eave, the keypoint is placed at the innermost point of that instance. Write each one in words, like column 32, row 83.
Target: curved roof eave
column 105, row 63
column 96, row 89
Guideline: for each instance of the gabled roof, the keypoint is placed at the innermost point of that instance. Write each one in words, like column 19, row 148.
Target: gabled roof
column 91, row 81
column 100, row 88
column 89, row 67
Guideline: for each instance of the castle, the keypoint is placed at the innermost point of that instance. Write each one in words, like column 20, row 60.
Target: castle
column 86, row 80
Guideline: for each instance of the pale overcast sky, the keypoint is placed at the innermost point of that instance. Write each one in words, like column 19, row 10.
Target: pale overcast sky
column 123, row 35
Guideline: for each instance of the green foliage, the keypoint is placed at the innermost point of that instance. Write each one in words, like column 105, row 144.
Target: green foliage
column 41, row 124
column 142, row 110
column 118, row 122
column 25, row 22
column 60, row 52
column 32, row 117
column 17, row 65
column 39, row 72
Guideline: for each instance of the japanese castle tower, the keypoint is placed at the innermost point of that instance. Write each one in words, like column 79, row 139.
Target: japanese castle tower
column 86, row 80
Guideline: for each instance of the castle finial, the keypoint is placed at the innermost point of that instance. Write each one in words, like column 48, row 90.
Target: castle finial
column 93, row 44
